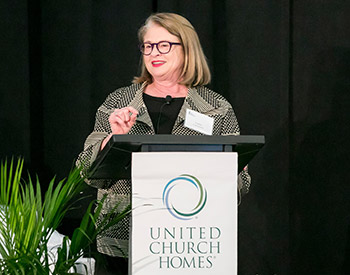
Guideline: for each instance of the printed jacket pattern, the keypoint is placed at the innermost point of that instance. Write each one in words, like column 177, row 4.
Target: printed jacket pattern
column 115, row 241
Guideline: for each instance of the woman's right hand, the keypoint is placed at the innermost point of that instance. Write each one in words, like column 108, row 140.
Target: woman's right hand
column 121, row 121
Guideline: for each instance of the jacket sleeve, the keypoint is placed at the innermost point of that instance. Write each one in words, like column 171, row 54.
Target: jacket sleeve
column 230, row 127
column 93, row 143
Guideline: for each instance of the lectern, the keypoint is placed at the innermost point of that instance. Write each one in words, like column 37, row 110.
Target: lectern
column 184, row 199
column 114, row 161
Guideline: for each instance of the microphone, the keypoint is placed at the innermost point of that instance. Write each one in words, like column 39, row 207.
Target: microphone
column 168, row 99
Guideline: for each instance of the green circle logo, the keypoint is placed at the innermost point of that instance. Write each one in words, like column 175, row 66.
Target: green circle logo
column 176, row 210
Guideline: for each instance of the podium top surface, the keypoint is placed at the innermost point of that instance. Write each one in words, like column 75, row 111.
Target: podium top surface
column 114, row 161
column 174, row 139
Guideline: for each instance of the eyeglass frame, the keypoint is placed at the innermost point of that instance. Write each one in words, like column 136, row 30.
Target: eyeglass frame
column 156, row 44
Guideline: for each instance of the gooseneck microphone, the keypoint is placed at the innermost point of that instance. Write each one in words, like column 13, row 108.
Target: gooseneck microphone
column 168, row 100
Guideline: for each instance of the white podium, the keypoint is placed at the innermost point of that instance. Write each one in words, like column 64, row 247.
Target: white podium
column 184, row 199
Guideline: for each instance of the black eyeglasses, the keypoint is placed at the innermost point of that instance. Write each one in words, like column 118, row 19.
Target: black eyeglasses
column 162, row 46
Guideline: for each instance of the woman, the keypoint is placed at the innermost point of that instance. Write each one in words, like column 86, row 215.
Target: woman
column 174, row 72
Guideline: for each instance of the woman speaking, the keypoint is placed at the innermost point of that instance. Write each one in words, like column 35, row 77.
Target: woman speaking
column 174, row 73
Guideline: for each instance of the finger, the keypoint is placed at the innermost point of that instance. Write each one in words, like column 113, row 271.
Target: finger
column 112, row 118
column 133, row 116
column 128, row 109
column 119, row 128
column 130, row 123
column 132, row 112
column 126, row 114
column 129, row 113
column 121, row 113
column 120, row 122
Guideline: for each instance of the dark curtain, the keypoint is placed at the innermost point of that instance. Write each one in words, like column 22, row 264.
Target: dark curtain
column 284, row 66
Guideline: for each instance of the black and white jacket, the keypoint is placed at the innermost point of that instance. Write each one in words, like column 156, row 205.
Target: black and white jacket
column 115, row 242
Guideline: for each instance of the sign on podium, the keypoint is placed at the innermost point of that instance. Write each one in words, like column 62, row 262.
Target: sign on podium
column 184, row 218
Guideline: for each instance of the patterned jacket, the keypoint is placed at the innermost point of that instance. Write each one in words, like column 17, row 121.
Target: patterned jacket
column 115, row 242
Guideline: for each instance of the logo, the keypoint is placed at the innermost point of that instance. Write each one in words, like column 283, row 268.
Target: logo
column 182, row 183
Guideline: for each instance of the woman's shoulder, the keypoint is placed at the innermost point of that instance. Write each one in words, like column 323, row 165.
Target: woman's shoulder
column 210, row 96
column 126, row 93
column 131, row 89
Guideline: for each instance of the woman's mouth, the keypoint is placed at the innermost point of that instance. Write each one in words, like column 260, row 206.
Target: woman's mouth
column 157, row 63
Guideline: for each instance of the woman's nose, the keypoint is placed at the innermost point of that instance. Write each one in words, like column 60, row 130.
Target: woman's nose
column 155, row 51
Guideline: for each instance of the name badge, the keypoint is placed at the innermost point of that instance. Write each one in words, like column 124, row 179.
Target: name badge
column 199, row 122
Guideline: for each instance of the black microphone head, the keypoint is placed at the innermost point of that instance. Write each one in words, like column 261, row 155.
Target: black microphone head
column 168, row 99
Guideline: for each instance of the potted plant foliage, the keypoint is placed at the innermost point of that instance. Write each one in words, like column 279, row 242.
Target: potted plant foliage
column 29, row 219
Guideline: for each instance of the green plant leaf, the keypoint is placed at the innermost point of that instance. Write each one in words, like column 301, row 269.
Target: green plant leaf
column 28, row 222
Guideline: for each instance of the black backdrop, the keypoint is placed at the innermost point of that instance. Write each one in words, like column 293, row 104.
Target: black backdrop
column 284, row 65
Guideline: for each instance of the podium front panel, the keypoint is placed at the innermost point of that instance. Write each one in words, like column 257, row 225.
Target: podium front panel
column 184, row 218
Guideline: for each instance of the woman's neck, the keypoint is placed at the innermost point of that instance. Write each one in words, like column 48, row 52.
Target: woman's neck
column 164, row 88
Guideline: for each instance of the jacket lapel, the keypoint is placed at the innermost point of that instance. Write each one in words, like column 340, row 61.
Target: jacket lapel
column 139, row 105
column 194, row 102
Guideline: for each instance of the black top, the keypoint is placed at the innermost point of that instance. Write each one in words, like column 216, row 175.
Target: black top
column 163, row 112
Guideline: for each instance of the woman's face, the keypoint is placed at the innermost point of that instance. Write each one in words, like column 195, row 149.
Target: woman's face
column 163, row 67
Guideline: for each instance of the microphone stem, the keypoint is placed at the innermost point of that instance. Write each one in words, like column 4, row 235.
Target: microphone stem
column 168, row 99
